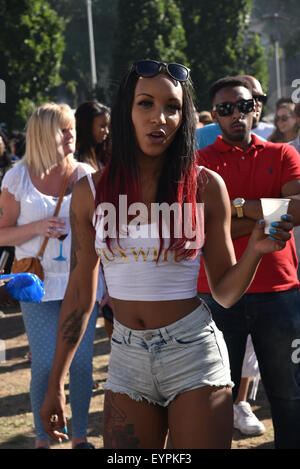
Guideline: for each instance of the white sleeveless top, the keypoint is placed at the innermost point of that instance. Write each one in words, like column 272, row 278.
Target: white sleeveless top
column 131, row 268
column 34, row 205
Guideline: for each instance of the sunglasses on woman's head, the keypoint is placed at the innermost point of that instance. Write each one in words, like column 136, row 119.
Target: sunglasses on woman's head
column 151, row 68
column 227, row 108
column 283, row 118
column 263, row 98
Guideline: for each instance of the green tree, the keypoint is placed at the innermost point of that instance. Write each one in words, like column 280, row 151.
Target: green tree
column 31, row 38
column 147, row 29
column 76, row 68
column 219, row 43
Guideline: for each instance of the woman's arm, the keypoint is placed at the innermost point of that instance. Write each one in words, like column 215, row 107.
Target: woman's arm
column 12, row 235
column 227, row 278
column 77, row 305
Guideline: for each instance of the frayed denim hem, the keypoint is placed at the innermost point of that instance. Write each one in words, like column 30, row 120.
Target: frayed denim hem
column 198, row 386
column 139, row 398
column 133, row 395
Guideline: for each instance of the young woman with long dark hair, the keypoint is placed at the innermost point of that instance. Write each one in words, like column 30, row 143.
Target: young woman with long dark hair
column 92, row 134
column 168, row 366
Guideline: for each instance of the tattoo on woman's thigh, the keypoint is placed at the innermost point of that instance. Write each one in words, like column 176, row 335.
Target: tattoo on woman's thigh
column 117, row 433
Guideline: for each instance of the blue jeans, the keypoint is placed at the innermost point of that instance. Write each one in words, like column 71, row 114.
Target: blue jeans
column 273, row 320
column 41, row 321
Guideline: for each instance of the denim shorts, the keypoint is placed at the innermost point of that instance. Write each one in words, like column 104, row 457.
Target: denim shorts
column 159, row 364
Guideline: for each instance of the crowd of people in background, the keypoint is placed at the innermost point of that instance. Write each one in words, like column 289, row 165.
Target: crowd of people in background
column 32, row 172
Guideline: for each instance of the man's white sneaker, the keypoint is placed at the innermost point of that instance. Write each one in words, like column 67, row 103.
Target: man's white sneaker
column 245, row 420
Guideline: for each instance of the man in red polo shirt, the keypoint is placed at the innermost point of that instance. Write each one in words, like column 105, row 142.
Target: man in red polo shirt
column 270, row 310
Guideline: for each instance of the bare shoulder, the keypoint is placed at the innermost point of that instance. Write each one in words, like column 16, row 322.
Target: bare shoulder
column 83, row 201
column 81, row 189
column 83, row 185
column 97, row 177
column 215, row 196
column 214, row 184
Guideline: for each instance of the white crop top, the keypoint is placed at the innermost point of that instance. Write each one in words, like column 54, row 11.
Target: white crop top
column 132, row 271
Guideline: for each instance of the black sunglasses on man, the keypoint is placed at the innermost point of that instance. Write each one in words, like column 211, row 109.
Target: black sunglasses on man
column 244, row 106
column 263, row 98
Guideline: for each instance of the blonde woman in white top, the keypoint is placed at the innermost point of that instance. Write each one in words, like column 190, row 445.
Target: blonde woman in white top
column 30, row 191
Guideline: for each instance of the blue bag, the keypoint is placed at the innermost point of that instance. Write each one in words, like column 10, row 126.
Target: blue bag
column 24, row 286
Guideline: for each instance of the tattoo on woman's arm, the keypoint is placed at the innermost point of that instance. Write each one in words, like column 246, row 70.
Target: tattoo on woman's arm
column 1, row 211
column 72, row 327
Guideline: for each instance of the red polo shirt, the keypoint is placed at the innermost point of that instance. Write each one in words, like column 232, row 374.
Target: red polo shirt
column 260, row 171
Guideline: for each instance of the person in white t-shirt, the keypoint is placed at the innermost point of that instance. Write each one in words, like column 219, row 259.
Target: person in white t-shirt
column 30, row 191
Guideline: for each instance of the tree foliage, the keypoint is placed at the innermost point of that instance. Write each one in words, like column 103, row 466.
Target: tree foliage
column 46, row 43
column 31, row 38
column 147, row 29
column 219, row 43
column 76, row 66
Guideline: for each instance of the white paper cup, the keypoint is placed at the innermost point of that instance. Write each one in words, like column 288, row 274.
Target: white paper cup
column 273, row 209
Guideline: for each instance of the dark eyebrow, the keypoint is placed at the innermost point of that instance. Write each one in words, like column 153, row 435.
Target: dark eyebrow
column 145, row 94
column 150, row 96
column 175, row 99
